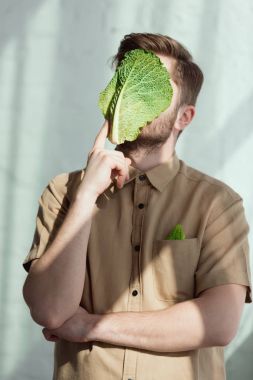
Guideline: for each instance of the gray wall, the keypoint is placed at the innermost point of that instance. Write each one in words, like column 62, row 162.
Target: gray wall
column 53, row 64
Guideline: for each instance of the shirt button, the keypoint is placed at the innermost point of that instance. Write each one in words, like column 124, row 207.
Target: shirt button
column 142, row 177
column 134, row 293
column 140, row 205
column 137, row 247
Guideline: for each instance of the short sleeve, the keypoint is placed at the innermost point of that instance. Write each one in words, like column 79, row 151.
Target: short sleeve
column 50, row 215
column 224, row 253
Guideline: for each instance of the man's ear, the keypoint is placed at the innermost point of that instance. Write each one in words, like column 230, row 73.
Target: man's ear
column 184, row 117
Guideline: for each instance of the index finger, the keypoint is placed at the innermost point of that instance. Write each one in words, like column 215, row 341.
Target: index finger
column 101, row 136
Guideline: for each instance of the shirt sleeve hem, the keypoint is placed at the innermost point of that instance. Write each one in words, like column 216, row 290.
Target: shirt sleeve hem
column 216, row 282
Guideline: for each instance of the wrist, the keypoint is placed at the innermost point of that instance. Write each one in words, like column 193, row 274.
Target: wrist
column 96, row 325
column 100, row 326
column 84, row 198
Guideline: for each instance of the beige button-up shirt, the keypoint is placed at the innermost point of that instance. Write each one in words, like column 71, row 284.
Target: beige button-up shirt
column 131, row 266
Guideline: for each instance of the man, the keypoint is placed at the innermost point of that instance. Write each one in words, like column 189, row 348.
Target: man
column 119, row 300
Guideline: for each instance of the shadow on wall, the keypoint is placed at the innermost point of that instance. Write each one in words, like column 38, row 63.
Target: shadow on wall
column 238, row 365
column 37, row 364
column 214, row 149
column 81, row 50
column 15, row 17
column 217, row 149
column 81, row 39
column 70, row 93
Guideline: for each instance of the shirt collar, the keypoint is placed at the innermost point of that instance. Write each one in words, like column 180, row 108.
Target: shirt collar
column 159, row 176
column 163, row 173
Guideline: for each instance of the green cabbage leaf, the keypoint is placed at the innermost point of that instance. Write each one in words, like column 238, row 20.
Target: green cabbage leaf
column 138, row 92
column 177, row 233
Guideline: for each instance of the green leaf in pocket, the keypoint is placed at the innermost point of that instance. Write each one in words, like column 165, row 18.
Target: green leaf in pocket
column 177, row 233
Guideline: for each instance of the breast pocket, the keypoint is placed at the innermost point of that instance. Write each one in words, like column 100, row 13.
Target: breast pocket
column 174, row 264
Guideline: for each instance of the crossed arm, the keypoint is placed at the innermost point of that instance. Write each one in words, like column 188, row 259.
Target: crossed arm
column 212, row 319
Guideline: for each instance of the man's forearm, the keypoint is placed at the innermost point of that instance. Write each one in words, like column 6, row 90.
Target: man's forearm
column 184, row 326
column 58, row 276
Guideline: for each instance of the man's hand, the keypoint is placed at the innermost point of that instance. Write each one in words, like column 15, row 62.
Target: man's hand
column 103, row 166
column 78, row 328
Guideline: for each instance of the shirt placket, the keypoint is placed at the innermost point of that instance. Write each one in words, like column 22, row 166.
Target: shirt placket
column 141, row 193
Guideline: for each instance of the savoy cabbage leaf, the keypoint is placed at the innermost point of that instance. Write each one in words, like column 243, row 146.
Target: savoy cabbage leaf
column 177, row 233
column 138, row 92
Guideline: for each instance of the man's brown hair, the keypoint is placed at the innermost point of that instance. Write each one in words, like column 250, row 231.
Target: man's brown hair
column 186, row 74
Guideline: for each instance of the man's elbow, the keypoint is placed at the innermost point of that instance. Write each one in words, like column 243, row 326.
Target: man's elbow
column 47, row 320
column 50, row 319
column 220, row 337
column 228, row 330
column 216, row 339
column 226, row 338
column 46, row 316
column 50, row 313
column 222, row 308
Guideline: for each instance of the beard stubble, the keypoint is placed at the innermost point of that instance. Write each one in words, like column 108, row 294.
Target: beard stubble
column 152, row 136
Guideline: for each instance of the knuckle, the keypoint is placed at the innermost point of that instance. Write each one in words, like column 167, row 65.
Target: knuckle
column 120, row 154
column 101, row 153
column 106, row 158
